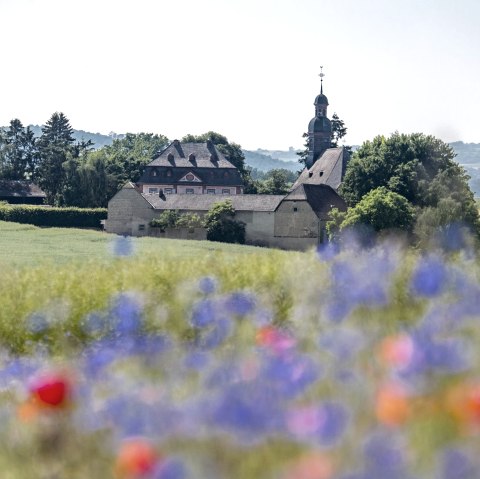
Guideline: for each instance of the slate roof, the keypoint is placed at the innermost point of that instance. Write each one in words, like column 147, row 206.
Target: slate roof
column 329, row 169
column 321, row 198
column 206, row 156
column 20, row 189
column 204, row 160
column 204, row 202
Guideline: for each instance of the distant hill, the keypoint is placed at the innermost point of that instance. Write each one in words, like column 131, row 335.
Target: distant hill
column 97, row 139
column 265, row 162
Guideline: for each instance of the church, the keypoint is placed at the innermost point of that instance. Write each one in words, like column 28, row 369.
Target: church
column 188, row 177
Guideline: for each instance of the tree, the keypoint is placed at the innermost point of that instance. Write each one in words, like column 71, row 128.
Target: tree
column 232, row 151
column 56, row 146
column 125, row 158
column 276, row 182
column 221, row 225
column 416, row 166
column 381, row 209
column 18, row 152
column 339, row 130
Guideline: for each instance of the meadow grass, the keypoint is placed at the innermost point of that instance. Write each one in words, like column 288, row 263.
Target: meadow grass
column 230, row 361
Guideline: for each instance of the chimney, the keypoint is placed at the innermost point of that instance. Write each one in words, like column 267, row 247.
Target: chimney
column 161, row 194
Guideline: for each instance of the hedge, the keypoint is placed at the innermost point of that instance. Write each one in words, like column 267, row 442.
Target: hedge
column 52, row 216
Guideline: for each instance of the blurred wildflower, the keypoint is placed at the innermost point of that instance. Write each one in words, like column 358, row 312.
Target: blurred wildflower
column 392, row 405
column 397, row 351
column 136, row 458
column 170, row 469
column 463, row 403
column 324, row 423
column 204, row 313
column 123, row 246
column 384, row 458
column 327, row 251
column 207, row 285
column 37, row 323
column 429, row 277
column 51, row 389
column 456, row 464
column 239, row 303
column 313, row 465
column 126, row 314
column 274, row 339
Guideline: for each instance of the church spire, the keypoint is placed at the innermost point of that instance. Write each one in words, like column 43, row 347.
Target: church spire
column 319, row 128
column 321, row 75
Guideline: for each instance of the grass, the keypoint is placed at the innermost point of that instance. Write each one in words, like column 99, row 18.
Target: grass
column 292, row 367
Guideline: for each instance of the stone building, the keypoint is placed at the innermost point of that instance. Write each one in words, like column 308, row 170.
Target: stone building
column 295, row 221
column 191, row 168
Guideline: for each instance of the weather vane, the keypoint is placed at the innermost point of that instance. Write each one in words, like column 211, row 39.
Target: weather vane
column 321, row 78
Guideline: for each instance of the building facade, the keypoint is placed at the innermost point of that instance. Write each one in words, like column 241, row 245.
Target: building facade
column 191, row 169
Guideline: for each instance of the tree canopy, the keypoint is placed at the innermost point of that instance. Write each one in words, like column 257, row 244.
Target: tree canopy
column 420, row 168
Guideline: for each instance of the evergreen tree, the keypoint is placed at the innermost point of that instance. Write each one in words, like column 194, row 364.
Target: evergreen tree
column 18, row 152
column 56, row 146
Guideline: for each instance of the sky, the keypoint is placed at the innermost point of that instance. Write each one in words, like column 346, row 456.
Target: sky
column 247, row 69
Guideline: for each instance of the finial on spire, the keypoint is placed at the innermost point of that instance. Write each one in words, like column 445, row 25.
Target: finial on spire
column 321, row 79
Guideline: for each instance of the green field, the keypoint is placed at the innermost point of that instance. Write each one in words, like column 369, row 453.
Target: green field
column 64, row 274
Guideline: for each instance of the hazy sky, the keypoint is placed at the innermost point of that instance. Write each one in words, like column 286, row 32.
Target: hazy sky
column 245, row 68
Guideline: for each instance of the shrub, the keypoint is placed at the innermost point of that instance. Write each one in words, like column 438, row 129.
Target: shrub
column 221, row 226
column 51, row 216
column 167, row 219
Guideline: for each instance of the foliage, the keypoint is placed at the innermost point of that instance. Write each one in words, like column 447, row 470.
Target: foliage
column 196, row 359
column 166, row 219
column 416, row 166
column 51, row 216
column 18, row 152
column 381, row 209
column 276, row 182
column 221, row 226
column 190, row 220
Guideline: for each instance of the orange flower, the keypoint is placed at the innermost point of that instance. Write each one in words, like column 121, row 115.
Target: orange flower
column 463, row 402
column 392, row 405
column 136, row 458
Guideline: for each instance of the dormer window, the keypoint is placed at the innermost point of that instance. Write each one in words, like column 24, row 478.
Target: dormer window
column 169, row 172
column 154, row 173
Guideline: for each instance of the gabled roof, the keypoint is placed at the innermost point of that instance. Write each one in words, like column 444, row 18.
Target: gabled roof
column 188, row 155
column 20, row 189
column 204, row 202
column 321, row 198
column 329, row 169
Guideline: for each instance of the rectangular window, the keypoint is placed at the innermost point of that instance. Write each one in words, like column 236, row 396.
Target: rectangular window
column 295, row 209
column 189, row 191
column 153, row 190
column 210, row 191
column 225, row 191
column 141, row 227
column 168, row 191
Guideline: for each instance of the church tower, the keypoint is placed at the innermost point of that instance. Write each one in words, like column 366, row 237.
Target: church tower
column 319, row 128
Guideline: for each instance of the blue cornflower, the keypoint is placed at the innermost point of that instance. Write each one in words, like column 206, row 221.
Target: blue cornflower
column 384, row 457
column 327, row 251
column 429, row 277
column 240, row 303
column 456, row 464
column 170, row 469
column 204, row 313
column 334, row 423
column 197, row 360
column 207, row 285
column 126, row 314
column 123, row 246
column 37, row 323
